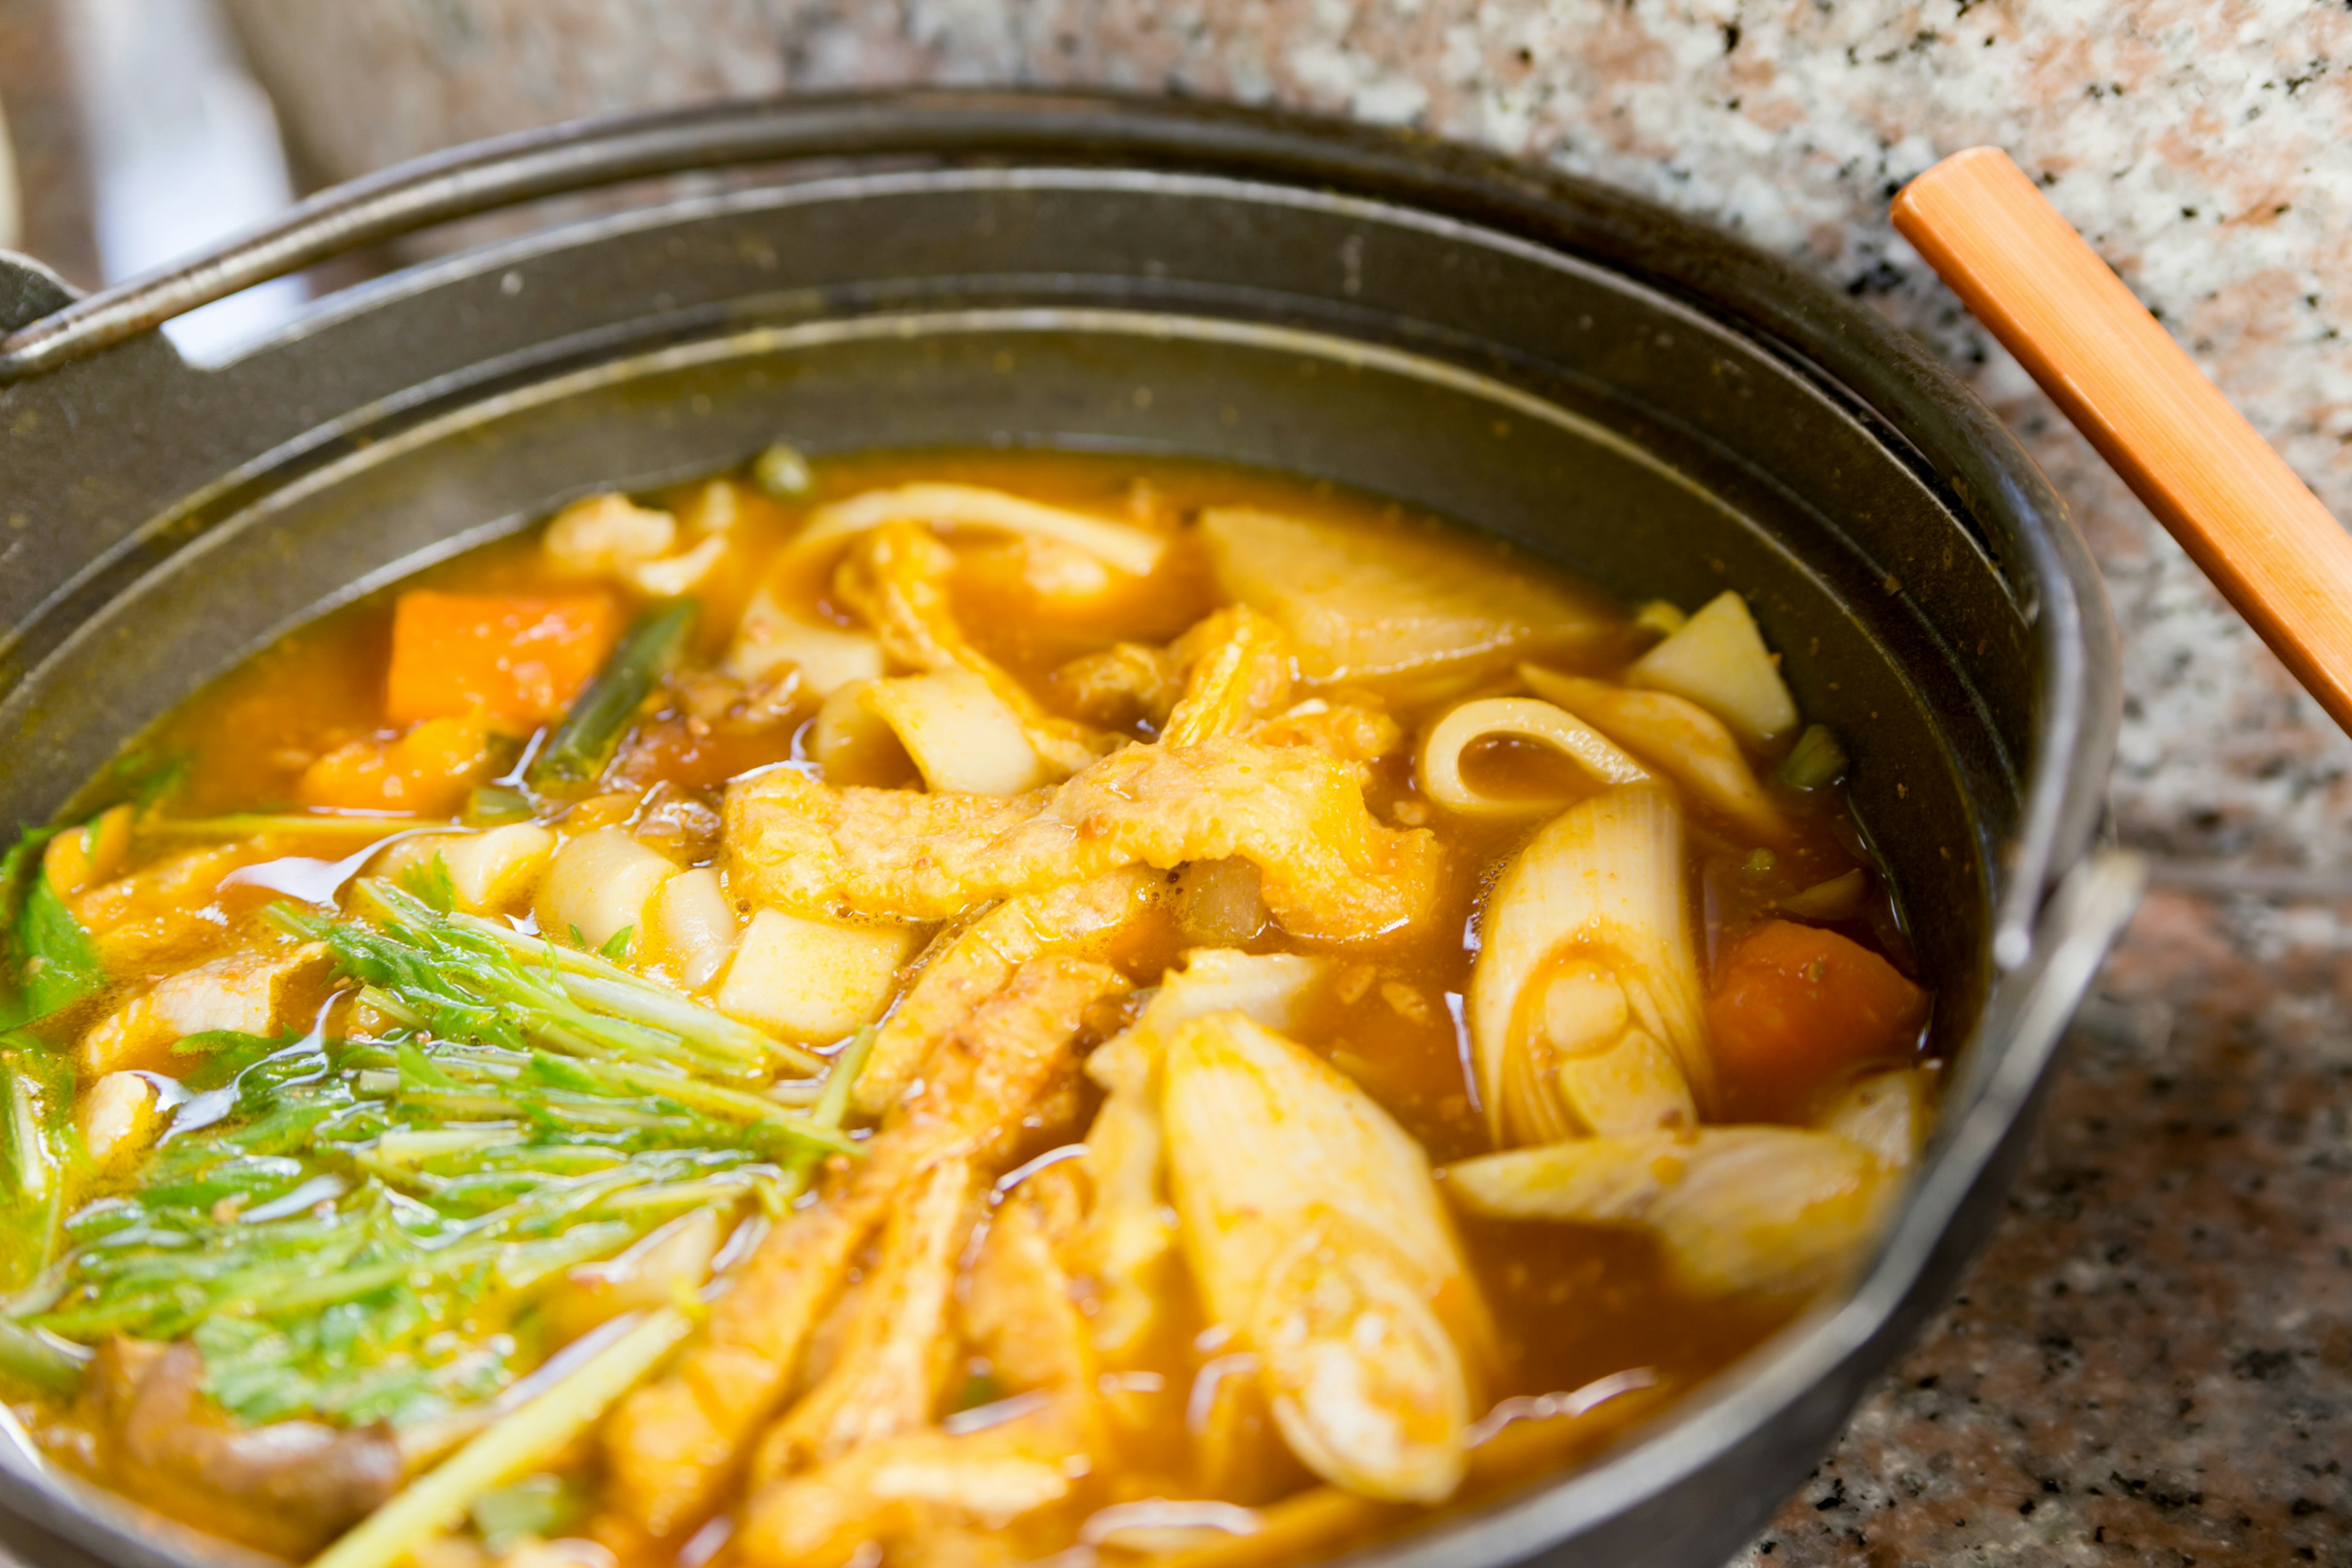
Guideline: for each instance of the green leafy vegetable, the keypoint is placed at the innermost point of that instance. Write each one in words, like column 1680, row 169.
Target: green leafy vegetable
column 492, row 804
column 432, row 884
column 578, row 749
column 1814, row 760
column 617, row 946
column 541, row 1505
column 56, row 959
column 37, row 1128
column 425, row 960
column 40, row 1363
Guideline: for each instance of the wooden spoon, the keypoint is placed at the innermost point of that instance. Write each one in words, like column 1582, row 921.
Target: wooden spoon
column 2234, row 505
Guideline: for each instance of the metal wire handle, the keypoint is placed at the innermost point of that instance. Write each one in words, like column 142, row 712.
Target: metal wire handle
column 587, row 154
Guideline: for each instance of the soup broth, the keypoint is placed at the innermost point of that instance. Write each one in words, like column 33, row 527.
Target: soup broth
column 938, row 1007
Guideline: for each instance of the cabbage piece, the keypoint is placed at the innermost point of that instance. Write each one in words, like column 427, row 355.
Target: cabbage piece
column 960, row 733
column 770, row 637
column 1768, row 1210
column 1417, row 614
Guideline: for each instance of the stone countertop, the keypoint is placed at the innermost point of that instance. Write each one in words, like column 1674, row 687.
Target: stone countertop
column 2152, row 1362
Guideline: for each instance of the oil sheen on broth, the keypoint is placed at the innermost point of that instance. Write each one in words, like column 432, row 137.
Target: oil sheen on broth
column 939, row 1008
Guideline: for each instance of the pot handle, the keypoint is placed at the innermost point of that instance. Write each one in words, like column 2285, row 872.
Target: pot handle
column 2265, row 540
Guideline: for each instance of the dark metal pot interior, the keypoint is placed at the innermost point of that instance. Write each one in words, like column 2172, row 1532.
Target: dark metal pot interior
column 1640, row 399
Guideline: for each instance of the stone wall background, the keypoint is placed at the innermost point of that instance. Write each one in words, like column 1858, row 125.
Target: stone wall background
column 2205, row 146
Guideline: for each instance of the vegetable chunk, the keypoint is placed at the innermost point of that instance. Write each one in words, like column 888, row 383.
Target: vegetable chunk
column 512, row 658
column 1391, row 608
column 1719, row 660
column 1316, row 1234
column 1764, row 1210
column 1793, row 1005
column 1585, row 1008
column 812, row 980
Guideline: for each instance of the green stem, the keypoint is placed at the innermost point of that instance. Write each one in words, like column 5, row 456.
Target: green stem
column 578, row 749
column 526, row 1439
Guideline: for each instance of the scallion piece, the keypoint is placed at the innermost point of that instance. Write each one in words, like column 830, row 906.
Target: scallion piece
column 582, row 744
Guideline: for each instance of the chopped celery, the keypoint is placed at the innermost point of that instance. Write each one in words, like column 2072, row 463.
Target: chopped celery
column 1815, row 760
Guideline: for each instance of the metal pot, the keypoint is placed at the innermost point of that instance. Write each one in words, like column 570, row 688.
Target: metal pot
column 1647, row 400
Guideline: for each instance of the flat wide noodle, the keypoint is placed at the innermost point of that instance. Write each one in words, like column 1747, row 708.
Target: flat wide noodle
column 1330, row 870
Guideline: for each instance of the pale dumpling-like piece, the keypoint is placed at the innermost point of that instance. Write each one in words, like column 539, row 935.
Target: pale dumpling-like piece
column 812, row 980
column 1391, row 607
column 487, row 871
column 598, row 885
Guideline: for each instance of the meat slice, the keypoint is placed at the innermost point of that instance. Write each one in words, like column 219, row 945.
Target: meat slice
column 289, row 1488
column 246, row 991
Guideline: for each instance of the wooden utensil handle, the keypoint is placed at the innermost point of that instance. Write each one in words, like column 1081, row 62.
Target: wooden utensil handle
column 2232, row 502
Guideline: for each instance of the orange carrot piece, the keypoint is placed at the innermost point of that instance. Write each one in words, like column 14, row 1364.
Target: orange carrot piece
column 1793, row 1005
column 510, row 658
column 426, row 770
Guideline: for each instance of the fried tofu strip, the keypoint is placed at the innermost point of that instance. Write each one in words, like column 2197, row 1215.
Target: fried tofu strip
column 1329, row 869
column 1080, row 918
column 1236, row 668
column 1018, row 1309
column 674, row 1444
column 889, row 1372
column 896, row 578
column 247, row 991
column 917, row 1486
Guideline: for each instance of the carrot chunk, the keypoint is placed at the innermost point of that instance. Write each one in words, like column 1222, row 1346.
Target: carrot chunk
column 519, row 659
column 1793, row 1005
column 427, row 771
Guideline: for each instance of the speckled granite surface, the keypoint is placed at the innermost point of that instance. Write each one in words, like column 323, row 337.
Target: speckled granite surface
column 2153, row 1362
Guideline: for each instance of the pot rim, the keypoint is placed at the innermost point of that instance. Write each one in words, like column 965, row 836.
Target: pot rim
column 1910, row 402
